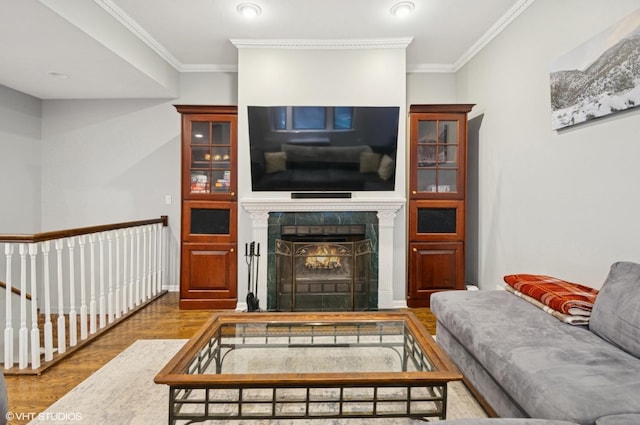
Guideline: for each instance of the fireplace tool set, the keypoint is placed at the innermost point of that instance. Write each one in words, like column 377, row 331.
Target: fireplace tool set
column 251, row 252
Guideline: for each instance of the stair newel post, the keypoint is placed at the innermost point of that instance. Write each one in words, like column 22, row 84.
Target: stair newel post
column 110, row 304
column 23, row 345
column 92, row 283
column 118, row 277
column 35, row 331
column 73, row 330
column 83, row 289
column 154, row 266
column 163, row 256
column 8, row 329
column 62, row 325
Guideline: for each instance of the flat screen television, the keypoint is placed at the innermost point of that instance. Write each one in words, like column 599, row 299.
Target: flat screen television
column 323, row 148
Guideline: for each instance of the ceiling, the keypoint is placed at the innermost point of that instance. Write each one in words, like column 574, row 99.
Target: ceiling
column 137, row 48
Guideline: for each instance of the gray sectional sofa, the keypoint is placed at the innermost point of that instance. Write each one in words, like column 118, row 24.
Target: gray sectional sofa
column 525, row 363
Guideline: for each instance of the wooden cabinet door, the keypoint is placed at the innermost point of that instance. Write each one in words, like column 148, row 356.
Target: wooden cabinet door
column 209, row 146
column 433, row 267
column 208, row 276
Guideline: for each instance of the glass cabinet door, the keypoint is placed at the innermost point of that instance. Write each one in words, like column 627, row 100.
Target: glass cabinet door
column 437, row 162
column 211, row 157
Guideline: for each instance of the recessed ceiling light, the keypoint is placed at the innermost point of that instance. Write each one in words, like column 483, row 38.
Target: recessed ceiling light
column 58, row 75
column 402, row 9
column 249, row 10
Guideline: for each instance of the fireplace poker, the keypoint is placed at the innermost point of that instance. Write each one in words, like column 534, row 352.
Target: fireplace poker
column 257, row 301
column 252, row 301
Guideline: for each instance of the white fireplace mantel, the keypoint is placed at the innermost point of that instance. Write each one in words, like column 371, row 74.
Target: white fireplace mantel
column 386, row 208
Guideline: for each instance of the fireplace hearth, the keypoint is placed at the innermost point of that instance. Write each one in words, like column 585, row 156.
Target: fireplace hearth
column 323, row 275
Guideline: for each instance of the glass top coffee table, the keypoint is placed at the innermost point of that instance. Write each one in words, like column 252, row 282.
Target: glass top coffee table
column 308, row 365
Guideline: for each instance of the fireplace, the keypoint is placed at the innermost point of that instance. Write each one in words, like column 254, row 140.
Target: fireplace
column 323, row 268
column 267, row 216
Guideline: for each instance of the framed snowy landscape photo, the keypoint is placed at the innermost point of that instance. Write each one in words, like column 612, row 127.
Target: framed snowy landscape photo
column 599, row 77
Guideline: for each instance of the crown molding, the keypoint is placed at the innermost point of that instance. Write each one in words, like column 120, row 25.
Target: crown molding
column 119, row 15
column 361, row 43
column 431, row 69
column 493, row 32
column 208, row 68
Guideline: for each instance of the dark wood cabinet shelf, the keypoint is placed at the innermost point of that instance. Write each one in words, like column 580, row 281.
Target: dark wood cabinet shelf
column 209, row 210
column 437, row 182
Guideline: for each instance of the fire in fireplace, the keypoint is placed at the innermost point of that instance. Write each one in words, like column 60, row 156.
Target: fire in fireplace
column 326, row 271
column 324, row 257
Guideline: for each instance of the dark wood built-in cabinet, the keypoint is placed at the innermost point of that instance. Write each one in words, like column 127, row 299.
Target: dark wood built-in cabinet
column 208, row 276
column 437, row 182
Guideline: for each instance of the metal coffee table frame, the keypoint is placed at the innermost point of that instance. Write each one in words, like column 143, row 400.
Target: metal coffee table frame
column 199, row 390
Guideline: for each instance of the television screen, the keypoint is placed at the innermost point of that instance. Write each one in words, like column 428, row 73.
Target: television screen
column 323, row 148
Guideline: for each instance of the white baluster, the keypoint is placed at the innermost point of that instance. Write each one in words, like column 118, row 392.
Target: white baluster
column 23, row 345
column 35, row 331
column 125, row 271
column 8, row 328
column 138, row 267
column 131, row 270
column 83, row 289
column 62, row 319
column 92, row 275
column 145, row 256
column 48, row 327
column 102, row 300
column 110, row 305
column 73, row 317
column 118, row 277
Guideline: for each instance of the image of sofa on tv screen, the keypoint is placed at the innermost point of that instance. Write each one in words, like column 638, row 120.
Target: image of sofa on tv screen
column 361, row 157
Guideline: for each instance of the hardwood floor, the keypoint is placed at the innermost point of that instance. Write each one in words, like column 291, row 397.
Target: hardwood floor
column 159, row 320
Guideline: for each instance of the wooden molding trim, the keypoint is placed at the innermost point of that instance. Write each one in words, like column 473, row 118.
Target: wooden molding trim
column 14, row 290
column 58, row 234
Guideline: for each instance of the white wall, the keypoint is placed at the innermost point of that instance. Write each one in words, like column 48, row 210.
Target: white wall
column 20, row 116
column 109, row 161
column 425, row 88
column 558, row 203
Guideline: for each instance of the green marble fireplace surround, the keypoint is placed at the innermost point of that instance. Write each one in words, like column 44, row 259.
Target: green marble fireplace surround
column 323, row 218
column 379, row 216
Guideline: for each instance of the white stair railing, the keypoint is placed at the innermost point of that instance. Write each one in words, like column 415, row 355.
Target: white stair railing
column 50, row 274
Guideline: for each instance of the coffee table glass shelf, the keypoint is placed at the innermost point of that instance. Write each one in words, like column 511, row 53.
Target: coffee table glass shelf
column 308, row 365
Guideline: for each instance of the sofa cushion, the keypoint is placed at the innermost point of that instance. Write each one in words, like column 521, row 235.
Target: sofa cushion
column 387, row 167
column 616, row 313
column 550, row 369
column 340, row 154
column 623, row 419
column 369, row 162
column 275, row 162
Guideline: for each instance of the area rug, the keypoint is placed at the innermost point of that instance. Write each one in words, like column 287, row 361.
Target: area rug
column 123, row 392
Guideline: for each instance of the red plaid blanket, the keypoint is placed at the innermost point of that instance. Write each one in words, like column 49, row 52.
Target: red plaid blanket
column 560, row 295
